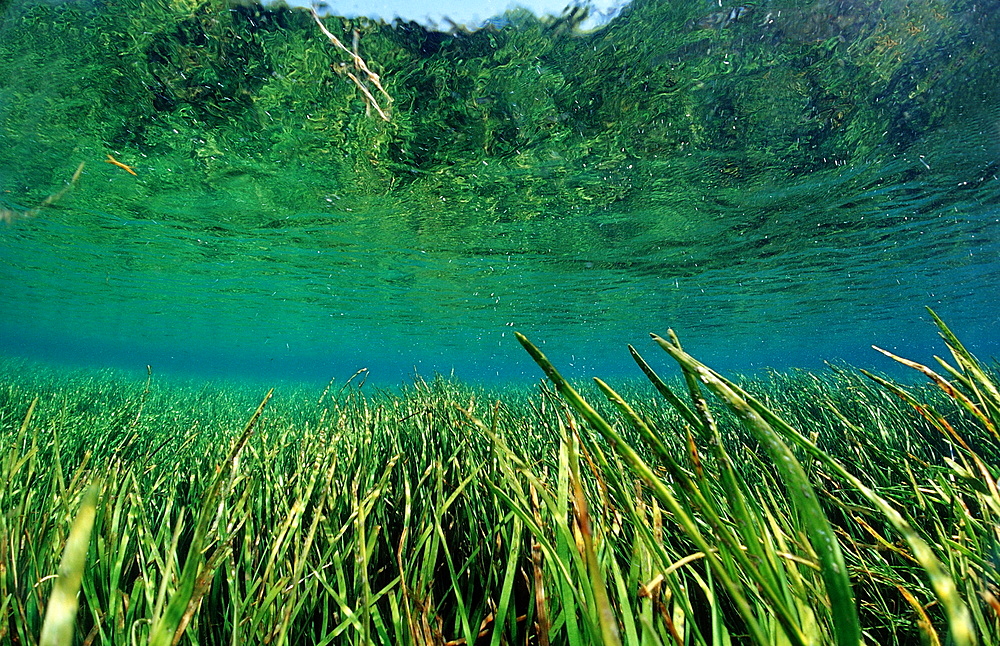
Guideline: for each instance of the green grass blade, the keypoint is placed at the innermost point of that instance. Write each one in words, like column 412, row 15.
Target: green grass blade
column 959, row 618
column 639, row 466
column 834, row 570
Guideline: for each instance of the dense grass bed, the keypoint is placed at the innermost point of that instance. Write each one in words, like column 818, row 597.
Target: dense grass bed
column 826, row 508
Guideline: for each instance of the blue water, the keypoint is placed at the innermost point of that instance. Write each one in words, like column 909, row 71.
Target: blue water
column 333, row 302
column 775, row 273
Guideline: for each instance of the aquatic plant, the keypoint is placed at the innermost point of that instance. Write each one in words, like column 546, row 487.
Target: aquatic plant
column 448, row 514
column 792, row 582
column 234, row 94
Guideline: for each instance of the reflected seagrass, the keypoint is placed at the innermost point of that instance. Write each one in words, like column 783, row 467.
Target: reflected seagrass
column 699, row 167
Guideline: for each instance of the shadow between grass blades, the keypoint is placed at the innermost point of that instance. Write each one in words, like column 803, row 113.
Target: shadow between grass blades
column 786, row 592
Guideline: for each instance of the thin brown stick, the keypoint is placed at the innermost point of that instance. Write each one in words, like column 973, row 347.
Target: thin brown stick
column 9, row 215
column 361, row 66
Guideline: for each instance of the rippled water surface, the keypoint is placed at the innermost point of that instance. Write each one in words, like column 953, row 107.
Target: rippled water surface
column 772, row 268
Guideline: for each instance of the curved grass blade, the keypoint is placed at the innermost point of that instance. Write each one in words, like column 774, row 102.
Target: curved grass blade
column 661, row 387
column 731, row 481
column 198, row 570
column 609, row 625
column 834, row 570
column 959, row 618
column 698, row 500
column 643, row 470
column 946, row 387
column 965, row 359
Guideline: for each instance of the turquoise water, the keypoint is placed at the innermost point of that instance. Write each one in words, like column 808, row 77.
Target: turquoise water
column 272, row 272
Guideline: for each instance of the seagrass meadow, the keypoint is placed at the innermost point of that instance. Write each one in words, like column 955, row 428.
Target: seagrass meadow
column 797, row 508
column 208, row 208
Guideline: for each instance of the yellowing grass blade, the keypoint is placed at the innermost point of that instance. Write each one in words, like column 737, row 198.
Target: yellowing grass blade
column 61, row 612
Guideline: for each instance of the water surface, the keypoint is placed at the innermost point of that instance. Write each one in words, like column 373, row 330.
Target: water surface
column 263, row 265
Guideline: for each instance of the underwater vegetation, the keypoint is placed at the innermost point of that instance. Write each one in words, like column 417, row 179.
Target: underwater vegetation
column 524, row 119
column 794, row 509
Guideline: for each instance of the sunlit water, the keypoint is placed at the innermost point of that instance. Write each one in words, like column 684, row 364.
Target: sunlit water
column 760, row 274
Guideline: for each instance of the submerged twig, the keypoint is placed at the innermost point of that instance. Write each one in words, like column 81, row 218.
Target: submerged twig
column 360, row 65
column 9, row 215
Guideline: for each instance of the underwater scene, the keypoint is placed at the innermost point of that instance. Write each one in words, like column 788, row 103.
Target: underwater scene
column 660, row 323
column 784, row 184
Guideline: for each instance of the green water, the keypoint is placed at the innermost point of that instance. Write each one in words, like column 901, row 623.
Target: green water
column 780, row 193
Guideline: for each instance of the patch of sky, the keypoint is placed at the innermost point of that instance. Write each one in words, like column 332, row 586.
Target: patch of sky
column 446, row 15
